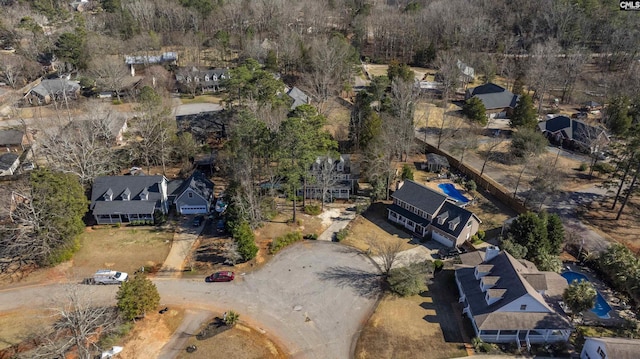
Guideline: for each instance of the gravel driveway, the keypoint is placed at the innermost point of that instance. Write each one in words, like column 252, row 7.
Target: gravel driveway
column 312, row 298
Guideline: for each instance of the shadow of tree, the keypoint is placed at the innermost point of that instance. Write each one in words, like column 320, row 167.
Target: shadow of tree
column 365, row 284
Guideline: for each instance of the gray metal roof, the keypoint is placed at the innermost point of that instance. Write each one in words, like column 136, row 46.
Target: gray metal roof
column 151, row 59
column 11, row 137
column 420, row 196
column 117, row 185
column 514, row 285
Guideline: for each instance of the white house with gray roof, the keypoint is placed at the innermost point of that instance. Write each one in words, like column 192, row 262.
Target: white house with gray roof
column 610, row 348
column 498, row 101
column 424, row 212
column 509, row 300
column 122, row 199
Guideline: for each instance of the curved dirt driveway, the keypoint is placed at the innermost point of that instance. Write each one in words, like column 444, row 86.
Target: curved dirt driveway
column 312, row 298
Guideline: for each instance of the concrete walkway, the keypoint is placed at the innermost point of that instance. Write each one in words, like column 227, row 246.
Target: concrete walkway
column 183, row 239
column 338, row 223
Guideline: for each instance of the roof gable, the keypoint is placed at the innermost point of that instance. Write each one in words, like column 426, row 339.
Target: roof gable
column 421, row 197
column 619, row 348
column 198, row 183
column 455, row 221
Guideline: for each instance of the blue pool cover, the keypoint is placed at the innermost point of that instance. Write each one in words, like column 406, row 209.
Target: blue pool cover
column 450, row 190
column 602, row 308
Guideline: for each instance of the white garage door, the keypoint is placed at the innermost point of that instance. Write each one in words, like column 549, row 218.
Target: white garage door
column 193, row 209
column 442, row 239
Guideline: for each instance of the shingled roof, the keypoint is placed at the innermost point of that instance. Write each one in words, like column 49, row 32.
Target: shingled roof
column 108, row 194
column 512, row 284
column 493, row 96
column 420, row 196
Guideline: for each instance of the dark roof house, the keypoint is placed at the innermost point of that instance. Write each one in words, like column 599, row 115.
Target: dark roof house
column 564, row 128
column 493, row 97
column 509, row 300
column 9, row 163
column 117, row 199
column 424, row 212
column 193, row 195
column 202, row 80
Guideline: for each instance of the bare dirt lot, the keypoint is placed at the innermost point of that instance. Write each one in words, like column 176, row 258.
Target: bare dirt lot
column 150, row 334
column 19, row 325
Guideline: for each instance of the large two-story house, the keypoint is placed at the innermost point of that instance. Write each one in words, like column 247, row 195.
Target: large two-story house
column 122, row 199
column 498, row 101
column 330, row 178
column 424, row 211
column 509, row 300
column 193, row 79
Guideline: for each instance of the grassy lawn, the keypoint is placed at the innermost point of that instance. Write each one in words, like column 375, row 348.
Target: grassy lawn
column 125, row 249
column 419, row 326
column 239, row 342
column 373, row 225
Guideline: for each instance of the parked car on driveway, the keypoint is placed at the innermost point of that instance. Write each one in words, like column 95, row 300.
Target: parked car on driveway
column 198, row 221
column 220, row 225
column 225, row 276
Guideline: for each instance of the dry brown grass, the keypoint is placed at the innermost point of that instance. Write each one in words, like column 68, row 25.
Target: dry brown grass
column 372, row 225
column 16, row 326
column 151, row 334
column 202, row 99
column 625, row 230
column 125, row 249
column 239, row 342
column 398, row 329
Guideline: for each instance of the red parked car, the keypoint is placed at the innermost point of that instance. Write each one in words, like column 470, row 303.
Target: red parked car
column 225, row 276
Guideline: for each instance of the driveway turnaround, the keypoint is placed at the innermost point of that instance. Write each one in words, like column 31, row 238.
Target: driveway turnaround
column 312, row 298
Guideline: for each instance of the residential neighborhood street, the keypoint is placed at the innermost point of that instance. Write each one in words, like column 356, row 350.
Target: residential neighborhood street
column 312, row 298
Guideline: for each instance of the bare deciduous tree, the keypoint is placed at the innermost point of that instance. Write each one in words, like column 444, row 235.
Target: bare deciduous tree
column 404, row 96
column 79, row 323
column 110, row 73
column 386, row 253
column 83, row 146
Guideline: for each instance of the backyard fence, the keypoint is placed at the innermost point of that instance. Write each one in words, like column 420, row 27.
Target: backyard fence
column 488, row 184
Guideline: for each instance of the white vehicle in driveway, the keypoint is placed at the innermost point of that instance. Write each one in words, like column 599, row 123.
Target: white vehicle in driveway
column 108, row 276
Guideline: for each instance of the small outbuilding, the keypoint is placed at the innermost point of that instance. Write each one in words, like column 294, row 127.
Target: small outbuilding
column 436, row 163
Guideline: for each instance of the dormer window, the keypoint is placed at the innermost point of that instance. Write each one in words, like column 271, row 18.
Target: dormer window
column 197, row 79
column 206, row 77
column 108, row 196
column 188, row 79
column 442, row 217
column 454, row 223
column 126, row 194
column 144, row 195
column 214, row 78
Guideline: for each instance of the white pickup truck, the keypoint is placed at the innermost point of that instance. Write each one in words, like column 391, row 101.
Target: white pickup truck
column 108, row 276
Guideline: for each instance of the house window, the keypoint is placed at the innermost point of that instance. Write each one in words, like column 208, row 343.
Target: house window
column 190, row 194
column 603, row 355
column 410, row 223
column 523, row 307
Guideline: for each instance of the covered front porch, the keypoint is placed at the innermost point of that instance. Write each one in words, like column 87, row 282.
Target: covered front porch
column 122, row 217
column 408, row 220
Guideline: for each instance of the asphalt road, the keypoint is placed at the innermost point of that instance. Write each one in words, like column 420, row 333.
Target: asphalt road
column 312, row 298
